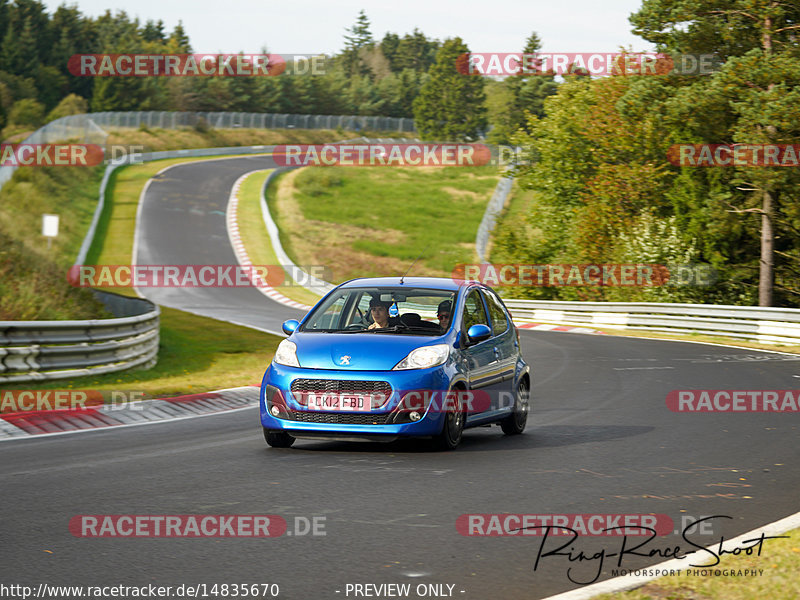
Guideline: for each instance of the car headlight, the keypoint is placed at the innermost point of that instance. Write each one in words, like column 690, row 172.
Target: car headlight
column 286, row 354
column 424, row 357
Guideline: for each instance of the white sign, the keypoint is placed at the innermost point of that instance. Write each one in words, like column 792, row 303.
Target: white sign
column 50, row 225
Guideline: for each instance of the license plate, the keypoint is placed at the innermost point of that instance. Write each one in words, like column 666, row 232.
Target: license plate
column 339, row 402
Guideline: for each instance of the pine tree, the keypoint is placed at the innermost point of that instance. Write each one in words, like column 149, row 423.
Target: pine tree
column 359, row 39
column 181, row 39
column 154, row 31
column 450, row 106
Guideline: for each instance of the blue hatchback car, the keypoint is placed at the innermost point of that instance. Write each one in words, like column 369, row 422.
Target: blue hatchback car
column 395, row 357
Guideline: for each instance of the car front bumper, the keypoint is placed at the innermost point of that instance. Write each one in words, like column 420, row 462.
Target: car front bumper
column 379, row 423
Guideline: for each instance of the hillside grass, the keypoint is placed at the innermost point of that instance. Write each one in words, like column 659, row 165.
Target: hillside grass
column 33, row 284
column 362, row 222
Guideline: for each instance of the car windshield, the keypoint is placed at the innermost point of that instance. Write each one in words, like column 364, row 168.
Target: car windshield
column 381, row 310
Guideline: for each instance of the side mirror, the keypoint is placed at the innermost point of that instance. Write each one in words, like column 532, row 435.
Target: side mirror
column 290, row 326
column 477, row 333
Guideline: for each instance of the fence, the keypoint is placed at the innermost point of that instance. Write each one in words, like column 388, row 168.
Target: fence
column 761, row 324
column 42, row 350
column 88, row 128
column 229, row 120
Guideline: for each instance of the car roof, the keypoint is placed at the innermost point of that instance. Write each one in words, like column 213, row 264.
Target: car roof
column 436, row 283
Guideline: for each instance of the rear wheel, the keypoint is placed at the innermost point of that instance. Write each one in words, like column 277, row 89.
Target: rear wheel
column 514, row 424
column 278, row 439
column 453, row 428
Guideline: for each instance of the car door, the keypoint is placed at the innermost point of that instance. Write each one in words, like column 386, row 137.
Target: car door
column 480, row 358
column 505, row 347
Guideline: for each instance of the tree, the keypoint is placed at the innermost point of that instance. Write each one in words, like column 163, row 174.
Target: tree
column 450, row 106
column 388, row 46
column 154, row 32
column 17, row 52
column 180, row 39
column 524, row 96
column 51, row 84
column 416, row 51
column 27, row 113
column 734, row 28
column 357, row 39
column 70, row 105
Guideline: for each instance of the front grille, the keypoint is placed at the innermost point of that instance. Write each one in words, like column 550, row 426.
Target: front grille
column 341, row 386
column 338, row 418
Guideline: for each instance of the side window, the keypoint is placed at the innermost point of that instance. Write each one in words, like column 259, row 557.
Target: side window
column 499, row 320
column 362, row 315
column 474, row 312
column 332, row 315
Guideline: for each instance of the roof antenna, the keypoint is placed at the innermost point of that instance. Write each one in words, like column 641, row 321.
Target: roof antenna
column 409, row 268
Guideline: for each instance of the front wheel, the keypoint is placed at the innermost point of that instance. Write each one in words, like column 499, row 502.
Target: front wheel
column 514, row 424
column 453, row 428
column 278, row 439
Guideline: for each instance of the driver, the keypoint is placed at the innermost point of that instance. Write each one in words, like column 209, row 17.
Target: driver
column 380, row 314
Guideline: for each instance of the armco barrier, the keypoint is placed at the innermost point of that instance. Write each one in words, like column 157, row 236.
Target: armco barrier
column 41, row 350
column 761, row 324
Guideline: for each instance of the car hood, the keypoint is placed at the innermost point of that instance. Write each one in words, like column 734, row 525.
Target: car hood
column 356, row 351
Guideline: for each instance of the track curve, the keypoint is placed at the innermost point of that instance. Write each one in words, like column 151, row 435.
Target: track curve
column 600, row 440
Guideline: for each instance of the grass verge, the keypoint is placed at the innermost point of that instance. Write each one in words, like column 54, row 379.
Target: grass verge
column 777, row 582
column 28, row 288
column 255, row 238
column 362, row 222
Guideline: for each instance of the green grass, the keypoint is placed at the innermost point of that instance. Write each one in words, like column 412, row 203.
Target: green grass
column 33, row 282
column 32, row 276
column 779, row 561
column 396, row 213
column 255, row 238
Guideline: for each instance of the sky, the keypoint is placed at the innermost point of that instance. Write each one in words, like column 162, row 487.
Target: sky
column 318, row 26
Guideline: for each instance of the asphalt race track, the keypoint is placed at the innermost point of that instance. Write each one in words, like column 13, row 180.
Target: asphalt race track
column 600, row 440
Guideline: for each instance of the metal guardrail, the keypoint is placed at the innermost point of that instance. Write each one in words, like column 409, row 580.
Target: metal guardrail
column 493, row 209
column 226, row 120
column 761, row 324
column 43, row 350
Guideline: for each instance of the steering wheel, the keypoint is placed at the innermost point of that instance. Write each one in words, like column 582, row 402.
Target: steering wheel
column 354, row 326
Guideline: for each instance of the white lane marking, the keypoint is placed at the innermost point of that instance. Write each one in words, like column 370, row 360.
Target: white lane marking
column 241, row 253
column 639, row 368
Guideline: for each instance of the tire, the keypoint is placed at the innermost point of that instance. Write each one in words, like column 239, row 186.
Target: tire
column 514, row 424
column 452, row 430
column 278, row 439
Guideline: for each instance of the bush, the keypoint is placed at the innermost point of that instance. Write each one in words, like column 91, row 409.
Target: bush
column 70, row 105
column 27, row 112
column 201, row 125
